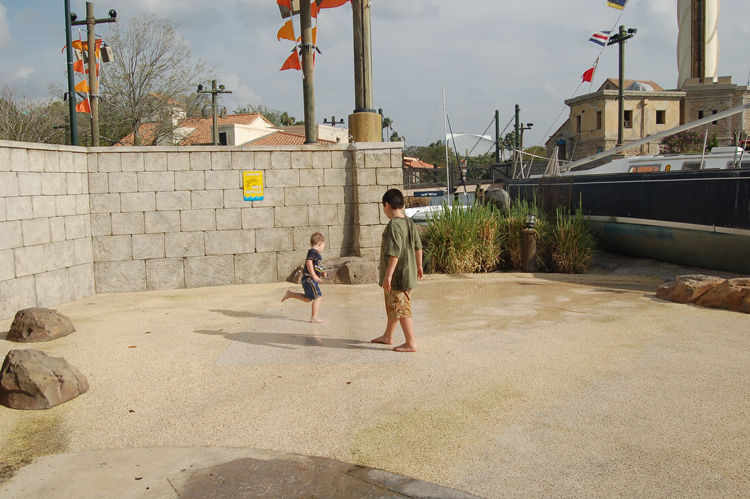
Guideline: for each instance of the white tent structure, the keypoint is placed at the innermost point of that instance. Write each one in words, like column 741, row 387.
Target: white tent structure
column 476, row 145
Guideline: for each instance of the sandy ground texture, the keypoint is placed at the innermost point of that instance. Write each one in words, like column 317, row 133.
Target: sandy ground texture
column 523, row 386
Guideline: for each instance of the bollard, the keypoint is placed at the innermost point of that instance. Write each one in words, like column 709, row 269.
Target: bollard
column 529, row 245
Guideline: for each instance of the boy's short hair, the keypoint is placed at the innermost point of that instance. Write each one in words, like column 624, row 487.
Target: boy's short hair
column 317, row 238
column 394, row 198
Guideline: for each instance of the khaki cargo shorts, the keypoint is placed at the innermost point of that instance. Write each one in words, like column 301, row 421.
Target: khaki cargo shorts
column 397, row 304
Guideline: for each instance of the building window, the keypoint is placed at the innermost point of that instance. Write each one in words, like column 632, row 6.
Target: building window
column 661, row 117
column 700, row 114
column 598, row 120
column 578, row 123
column 223, row 138
column 628, row 119
column 715, row 112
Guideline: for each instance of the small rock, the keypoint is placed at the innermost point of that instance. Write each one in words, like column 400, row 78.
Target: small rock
column 39, row 324
column 688, row 288
column 732, row 294
column 358, row 272
column 30, row 379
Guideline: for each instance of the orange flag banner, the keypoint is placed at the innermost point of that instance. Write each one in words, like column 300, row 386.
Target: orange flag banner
column 285, row 3
column 292, row 62
column 83, row 106
column 330, row 4
column 78, row 67
column 286, row 32
column 82, row 87
column 77, row 44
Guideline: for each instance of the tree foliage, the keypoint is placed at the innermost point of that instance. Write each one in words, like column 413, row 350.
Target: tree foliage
column 152, row 79
column 278, row 118
column 689, row 141
column 26, row 120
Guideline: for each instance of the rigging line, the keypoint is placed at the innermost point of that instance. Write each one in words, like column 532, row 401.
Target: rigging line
column 427, row 141
column 458, row 160
column 480, row 138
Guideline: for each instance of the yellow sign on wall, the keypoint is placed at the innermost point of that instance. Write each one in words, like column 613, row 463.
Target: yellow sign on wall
column 253, row 185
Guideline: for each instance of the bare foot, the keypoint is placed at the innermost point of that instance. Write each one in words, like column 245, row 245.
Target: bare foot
column 287, row 295
column 316, row 320
column 405, row 348
column 383, row 340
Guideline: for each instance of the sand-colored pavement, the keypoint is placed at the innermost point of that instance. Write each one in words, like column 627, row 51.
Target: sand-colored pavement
column 523, row 386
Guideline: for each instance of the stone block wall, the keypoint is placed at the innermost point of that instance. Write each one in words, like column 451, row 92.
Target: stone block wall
column 46, row 256
column 76, row 221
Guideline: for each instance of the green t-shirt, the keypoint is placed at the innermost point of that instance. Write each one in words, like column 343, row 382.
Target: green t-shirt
column 400, row 239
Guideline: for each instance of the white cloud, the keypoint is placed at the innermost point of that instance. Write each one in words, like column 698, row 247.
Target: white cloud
column 6, row 42
column 23, row 72
column 241, row 95
column 404, row 10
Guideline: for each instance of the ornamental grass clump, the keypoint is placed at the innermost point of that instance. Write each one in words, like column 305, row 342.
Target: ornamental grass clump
column 574, row 245
column 463, row 239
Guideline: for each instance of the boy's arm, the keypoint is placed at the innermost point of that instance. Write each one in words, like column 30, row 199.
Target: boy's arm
column 392, row 262
column 418, row 256
column 311, row 271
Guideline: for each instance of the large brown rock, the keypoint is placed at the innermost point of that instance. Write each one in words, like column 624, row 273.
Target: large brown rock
column 39, row 324
column 498, row 196
column 30, row 379
column 733, row 294
column 688, row 288
column 344, row 270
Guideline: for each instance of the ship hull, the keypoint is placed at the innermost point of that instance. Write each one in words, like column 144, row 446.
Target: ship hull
column 695, row 218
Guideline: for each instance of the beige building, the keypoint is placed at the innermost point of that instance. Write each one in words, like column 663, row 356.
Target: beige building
column 649, row 109
column 705, row 98
column 593, row 123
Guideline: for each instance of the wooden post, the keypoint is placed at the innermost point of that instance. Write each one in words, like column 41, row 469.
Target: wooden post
column 308, row 83
column 93, row 80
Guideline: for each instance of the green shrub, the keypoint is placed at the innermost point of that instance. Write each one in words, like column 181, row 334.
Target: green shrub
column 574, row 246
column 462, row 240
column 483, row 239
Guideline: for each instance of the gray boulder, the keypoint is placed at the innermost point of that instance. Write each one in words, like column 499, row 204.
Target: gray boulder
column 30, row 379
column 498, row 196
column 39, row 324
column 358, row 271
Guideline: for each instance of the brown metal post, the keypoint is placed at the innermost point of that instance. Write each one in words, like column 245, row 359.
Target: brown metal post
column 308, row 83
column 529, row 250
column 93, row 81
column 359, row 55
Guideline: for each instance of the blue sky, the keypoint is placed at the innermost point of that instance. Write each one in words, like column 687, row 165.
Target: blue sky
column 488, row 54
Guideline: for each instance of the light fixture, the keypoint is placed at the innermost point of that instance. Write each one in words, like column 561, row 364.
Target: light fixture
column 530, row 220
column 112, row 14
column 221, row 87
column 73, row 17
column 200, row 87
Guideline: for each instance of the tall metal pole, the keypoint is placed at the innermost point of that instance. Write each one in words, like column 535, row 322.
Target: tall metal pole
column 447, row 161
column 71, row 79
column 497, row 136
column 215, row 113
column 621, row 93
column 308, row 83
column 518, row 129
column 360, row 82
column 93, row 80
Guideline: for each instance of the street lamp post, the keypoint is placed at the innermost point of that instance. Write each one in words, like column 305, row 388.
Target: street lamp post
column 71, row 81
column 91, row 23
column 214, row 92
column 620, row 38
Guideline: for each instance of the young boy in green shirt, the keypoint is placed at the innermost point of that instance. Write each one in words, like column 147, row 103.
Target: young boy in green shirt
column 400, row 269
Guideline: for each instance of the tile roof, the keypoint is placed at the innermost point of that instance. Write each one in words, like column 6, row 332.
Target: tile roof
column 416, row 163
column 201, row 135
column 283, row 139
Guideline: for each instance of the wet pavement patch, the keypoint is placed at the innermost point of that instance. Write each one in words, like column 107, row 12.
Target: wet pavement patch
column 311, row 477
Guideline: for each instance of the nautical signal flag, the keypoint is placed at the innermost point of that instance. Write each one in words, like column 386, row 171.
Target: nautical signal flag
column 83, row 106
column 588, row 75
column 617, row 4
column 292, row 62
column 600, row 37
column 83, row 86
column 286, row 32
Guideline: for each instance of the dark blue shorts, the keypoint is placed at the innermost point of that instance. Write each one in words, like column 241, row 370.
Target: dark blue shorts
column 312, row 290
